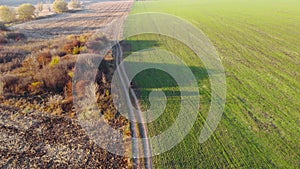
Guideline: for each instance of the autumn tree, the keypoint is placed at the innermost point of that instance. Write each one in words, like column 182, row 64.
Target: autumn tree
column 26, row 11
column 75, row 4
column 60, row 6
column 7, row 14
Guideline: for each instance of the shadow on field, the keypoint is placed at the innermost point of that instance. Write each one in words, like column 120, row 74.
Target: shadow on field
column 47, row 16
column 130, row 46
column 150, row 80
column 155, row 80
column 61, row 30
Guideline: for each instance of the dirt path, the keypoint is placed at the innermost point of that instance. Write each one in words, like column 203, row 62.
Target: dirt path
column 143, row 148
column 94, row 17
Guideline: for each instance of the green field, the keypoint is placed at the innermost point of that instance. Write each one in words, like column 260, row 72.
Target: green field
column 259, row 45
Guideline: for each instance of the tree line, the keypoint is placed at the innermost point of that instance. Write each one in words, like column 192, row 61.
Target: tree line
column 28, row 11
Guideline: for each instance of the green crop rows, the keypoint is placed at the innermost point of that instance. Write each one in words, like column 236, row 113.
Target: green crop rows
column 259, row 45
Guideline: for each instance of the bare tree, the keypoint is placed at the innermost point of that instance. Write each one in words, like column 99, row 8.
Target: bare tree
column 49, row 5
column 40, row 6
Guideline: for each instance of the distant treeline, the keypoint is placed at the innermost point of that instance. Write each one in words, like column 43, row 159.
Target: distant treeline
column 19, row 2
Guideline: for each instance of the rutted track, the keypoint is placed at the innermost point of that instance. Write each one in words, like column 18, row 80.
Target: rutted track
column 139, row 148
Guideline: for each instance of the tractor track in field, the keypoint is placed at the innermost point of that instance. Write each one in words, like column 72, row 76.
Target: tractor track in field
column 94, row 17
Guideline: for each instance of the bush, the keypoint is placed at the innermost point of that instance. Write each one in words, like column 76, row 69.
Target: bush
column 15, row 84
column 44, row 58
column 60, row 6
column 68, row 61
column 74, row 47
column 5, row 67
column 26, row 11
column 97, row 44
column 54, row 78
column 55, row 61
column 7, row 14
column 10, row 55
column 2, row 27
column 35, row 87
column 3, row 39
column 16, row 36
column 75, row 4
column 10, row 59
column 69, row 46
column 58, row 52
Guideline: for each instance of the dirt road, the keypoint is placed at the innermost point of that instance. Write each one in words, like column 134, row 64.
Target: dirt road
column 93, row 17
column 143, row 148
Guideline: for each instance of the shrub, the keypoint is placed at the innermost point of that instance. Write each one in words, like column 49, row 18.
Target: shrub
column 36, row 87
column 68, row 61
column 5, row 67
column 44, row 58
column 30, row 63
column 54, row 103
column 58, row 52
column 73, row 47
column 16, row 36
column 7, row 14
column 75, row 4
column 8, row 83
column 61, row 53
column 10, row 55
column 2, row 27
column 54, row 78
column 3, row 39
column 84, row 38
column 26, row 11
column 68, row 90
column 60, row 6
column 15, row 84
column 96, row 44
column 76, row 50
column 55, row 61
